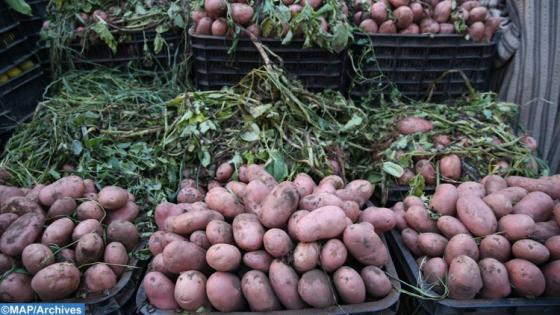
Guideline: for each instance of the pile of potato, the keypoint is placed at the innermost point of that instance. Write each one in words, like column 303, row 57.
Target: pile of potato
column 53, row 239
column 424, row 17
column 211, row 18
column 262, row 245
column 488, row 238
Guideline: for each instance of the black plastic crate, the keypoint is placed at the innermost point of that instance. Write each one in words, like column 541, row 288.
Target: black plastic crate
column 39, row 8
column 407, row 263
column 6, row 18
column 414, row 62
column 214, row 68
column 386, row 306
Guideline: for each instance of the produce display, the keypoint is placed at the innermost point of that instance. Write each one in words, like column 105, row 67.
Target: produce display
column 426, row 17
column 490, row 239
column 64, row 240
column 256, row 244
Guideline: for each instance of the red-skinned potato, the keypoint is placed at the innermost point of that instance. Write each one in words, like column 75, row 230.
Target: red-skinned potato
column 215, row 8
column 62, row 207
column 495, row 246
column 304, row 184
column 429, row 26
column 22, row 232
column 369, row 26
column 376, row 281
column 218, row 231
column 352, row 210
column 159, row 239
column 223, row 257
column 277, row 242
column 477, row 14
column 204, row 25
column 398, row 210
column 160, row 291
column 179, row 256
column 446, row 28
column 219, row 28
column 417, row 11
column 365, row 245
column 306, row 256
column 123, row 232
column 553, row 245
column 450, row 167
column 90, row 210
column 516, row 226
column 189, row 222
column 224, row 292
column 530, row 250
column 545, row 184
column 157, row 264
column 5, row 220
column 399, row 3
column 315, row 289
column 476, row 215
column 224, row 171
column 410, row 240
column 476, row 31
column 165, row 210
column 90, row 249
column 292, row 222
column 116, row 257
column 495, row 279
column 526, row 278
column 279, row 204
column 491, row 26
column 536, row 204
column 255, row 193
column 57, row 281
column 258, row 260
column 471, row 188
column 99, row 278
column 379, row 12
column 445, row 199
column 442, row 11
column 551, row 273
column 545, row 230
column 258, row 292
column 418, row 218
column 382, row 219
column 196, row 15
column 257, row 172
column 464, row 279
column 461, row 245
column 16, row 287
column 190, row 290
column 403, row 17
column 70, row 186
column 58, row 232
column 411, row 125
column 451, row 226
column 469, row 5
column 325, row 222
column 434, row 271
column 127, row 213
column 388, row 27
column 221, row 200
column 284, row 281
column 432, row 244
column 112, row 197
column 349, row 285
column 248, row 232
column 36, row 257
column 426, row 169
column 333, row 255
column 199, row 238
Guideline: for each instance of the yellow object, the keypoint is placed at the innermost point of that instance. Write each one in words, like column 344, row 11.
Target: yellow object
column 26, row 65
column 4, row 78
column 14, row 72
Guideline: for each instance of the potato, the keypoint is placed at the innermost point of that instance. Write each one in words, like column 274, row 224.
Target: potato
column 242, row 13
column 476, row 31
column 279, row 204
column 411, row 125
column 258, row 292
column 526, row 278
column 362, row 190
column 556, row 213
column 398, row 210
column 70, row 186
column 410, row 201
column 445, row 199
column 57, row 281
column 514, row 193
column 516, row 226
column 388, row 27
column 495, row 279
column 5, row 220
column 89, row 210
column 545, row 230
column 6, row 192
column 376, row 281
column 319, row 200
column 379, row 12
column 157, row 264
column 451, row 226
column 179, row 256
column 369, row 26
column 306, row 256
column 248, row 232
column 223, row 257
column 315, row 289
column 115, row 255
column 304, row 184
column 224, row 292
column 410, row 240
column 16, row 287
column 160, row 291
column 255, row 193
column 553, row 245
column 224, row 172
column 333, row 255
column 277, row 242
column 159, row 239
column 189, row 222
column 90, row 249
column 432, row 244
column 99, row 278
column 477, row 14
column 218, row 231
column 446, row 28
column 124, row 232
column 165, row 210
column 258, row 260
column 365, row 245
column 58, row 232
column 112, row 197
column 536, row 204
column 191, row 192
column 530, row 250
column 450, row 165
column 349, row 285
column 6, row 263
column 461, row 245
column 199, row 238
column 22, row 232
column 403, row 17
column 226, row 203
column 85, row 227
column 322, row 223
column 257, row 172
column 434, row 271
column 551, row 274
column 351, row 210
column 67, row 255
column 203, row 26
column 292, row 222
column 471, row 189
column 418, row 218
column 495, row 246
column 500, row 203
column 127, row 213
column 21, row 206
column 36, row 257
column 284, row 281
column 493, row 183
column 464, row 280
column 442, row 11
column 426, row 169
column 238, row 188
column 470, row 4
column 382, row 219
column 190, row 290
column 476, row 215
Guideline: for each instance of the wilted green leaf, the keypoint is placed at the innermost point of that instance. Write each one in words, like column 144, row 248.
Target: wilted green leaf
column 105, row 35
column 252, row 134
column 257, row 111
column 20, row 6
column 276, row 166
column 393, row 169
column 354, row 122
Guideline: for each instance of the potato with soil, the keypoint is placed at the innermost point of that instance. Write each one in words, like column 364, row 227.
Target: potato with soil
column 516, row 226
column 495, row 246
column 277, row 242
column 493, row 183
column 278, row 205
column 116, row 257
column 99, row 278
column 526, row 278
column 553, row 245
column 257, row 172
column 471, row 189
column 410, row 125
column 90, row 210
column 190, row 192
column 57, row 281
column 459, row 245
column 495, row 279
column 127, row 213
column 165, row 210
column 224, row 292
column 536, row 204
column 426, row 169
column 5, row 220
column 6, row 263
column 85, row 227
column 22, row 232
column 333, row 255
column 382, row 219
column 255, row 193
column 226, row 203
column 304, row 184
column 450, row 226
column 476, row 215
column 70, row 186
column 418, row 218
column 223, row 257
column 434, row 271
column 179, row 256
column 376, row 281
column 349, row 285
column 159, row 291
column 314, row 288
column 432, row 244
column 21, row 206
column 464, row 280
column 123, row 232
column 159, row 239
column 551, row 273
column 545, row 230
column 90, row 249
column 224, row 172
column 362, row 190
column 112, row 197
column 410, row 240
column 322, row 223
column 189, row 222
column 450, row 165
column 36, row 257
column 58, row 232
column 306, row 256
column 258, row 260
column 530, row 250
column 258, row 292
column 444, row 199
column 199, row 238
column 190, row 290
column 218, row 231
column 365, row 245
column 318, row 200
column 248, row 232
column 16, row 287
column 284, row 281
